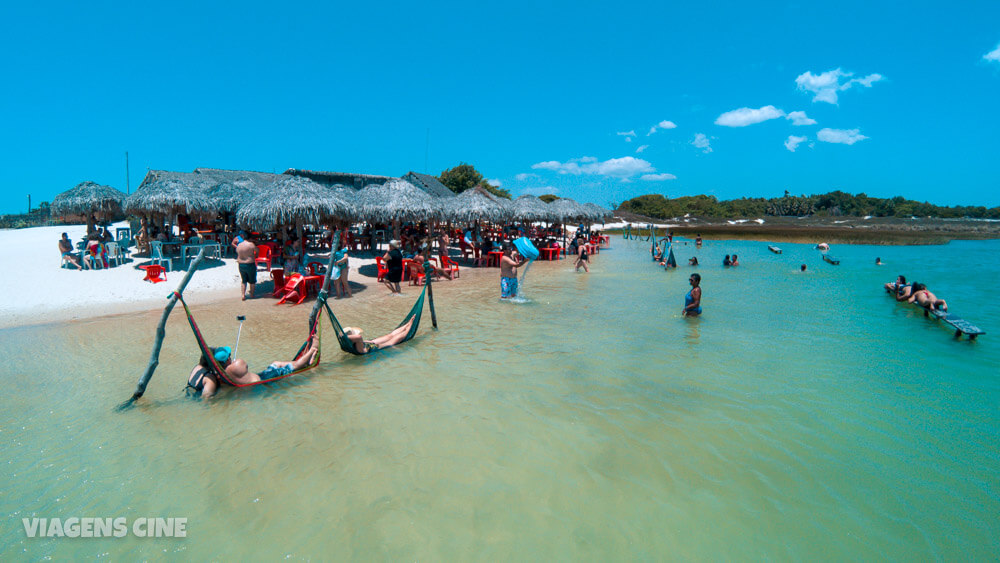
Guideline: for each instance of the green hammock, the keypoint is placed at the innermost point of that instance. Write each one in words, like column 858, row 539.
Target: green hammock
column 314, row 331
column 347, row 345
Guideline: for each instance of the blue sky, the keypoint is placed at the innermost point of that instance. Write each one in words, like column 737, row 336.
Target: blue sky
column 548, row 97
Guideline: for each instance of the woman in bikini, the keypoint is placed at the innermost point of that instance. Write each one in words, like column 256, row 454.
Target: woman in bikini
column 923, row 297
column 363, row 346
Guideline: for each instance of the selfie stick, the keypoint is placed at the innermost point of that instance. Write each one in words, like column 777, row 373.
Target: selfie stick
column 240, row 318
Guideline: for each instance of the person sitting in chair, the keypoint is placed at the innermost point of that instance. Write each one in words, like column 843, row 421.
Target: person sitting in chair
column 66, row 248
column 204, row 380
column 363, row 346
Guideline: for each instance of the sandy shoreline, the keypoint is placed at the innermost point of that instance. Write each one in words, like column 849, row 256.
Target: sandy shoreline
column 37, row 291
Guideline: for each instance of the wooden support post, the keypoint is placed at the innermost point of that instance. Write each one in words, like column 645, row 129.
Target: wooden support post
column 154, row 356
column 321, row 298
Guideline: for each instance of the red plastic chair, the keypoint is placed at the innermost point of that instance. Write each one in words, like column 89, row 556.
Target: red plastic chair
column 313, row 268
column 294, row 289
column 278, row 276
column 382, row 270
column 416, row 273
column 263, row 256
column 153, row 273
column 450, row 266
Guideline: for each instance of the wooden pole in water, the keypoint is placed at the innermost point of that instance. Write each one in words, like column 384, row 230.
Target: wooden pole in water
column 321, row 298
column 428, row 274
column 154, row 356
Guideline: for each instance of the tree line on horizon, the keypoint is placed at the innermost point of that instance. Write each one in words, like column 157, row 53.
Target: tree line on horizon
column 832, row 204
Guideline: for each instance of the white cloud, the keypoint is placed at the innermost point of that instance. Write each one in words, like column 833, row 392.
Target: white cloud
column 657, row 177
column 662, row 125
column 701, row 141
column 540, row 190
column 525, row 176
column 800, row 118
column 792, row 142
column 623, row 167
column 641, row 148
column 628, row 135
column 494, row 183
column 993, row 55
column 748, row 116
column 842, row 136
column 826, row 85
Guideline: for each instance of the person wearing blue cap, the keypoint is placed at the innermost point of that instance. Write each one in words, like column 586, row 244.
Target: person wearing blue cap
column 205, row 381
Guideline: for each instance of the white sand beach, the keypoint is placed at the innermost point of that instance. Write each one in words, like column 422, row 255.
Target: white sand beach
column 37, row 291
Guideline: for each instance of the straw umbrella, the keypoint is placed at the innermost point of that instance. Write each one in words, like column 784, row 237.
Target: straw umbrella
column 565, row 209
column 395, row 201
column 530, row 208
column 475, row 204
column 88, row 199
column 293, row 200
column 597, row 213
column 171, row 194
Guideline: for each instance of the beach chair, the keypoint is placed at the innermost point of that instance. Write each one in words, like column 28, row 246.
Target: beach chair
column 278, row 277
column 450, row 266
column 113, row 253
column 264, row 256
column 294, row 290
column 156, row 255
column 153, row 273
column 382, row 270
column 315, row 269
column 416, row 273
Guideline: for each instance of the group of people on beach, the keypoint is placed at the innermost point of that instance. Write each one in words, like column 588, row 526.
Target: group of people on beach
column 915, row 293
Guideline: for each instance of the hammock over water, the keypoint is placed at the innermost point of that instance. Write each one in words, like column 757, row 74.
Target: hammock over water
column 314, row 332
column 347, row 345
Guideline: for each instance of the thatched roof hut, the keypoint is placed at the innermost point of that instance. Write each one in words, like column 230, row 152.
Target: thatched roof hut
column 476, row 204
column 597, row 213
column 347, row 179
column 565, row 209
column 293, row 200
column 530, row 208
column 169, row 193
column 233, row 188
column 88, row 198
column 395, row 200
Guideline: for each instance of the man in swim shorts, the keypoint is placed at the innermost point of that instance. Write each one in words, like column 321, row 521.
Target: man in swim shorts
column 246, row 255
column 508, row 271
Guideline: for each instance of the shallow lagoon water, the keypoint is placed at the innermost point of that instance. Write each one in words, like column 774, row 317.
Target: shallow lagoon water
column 803, row 416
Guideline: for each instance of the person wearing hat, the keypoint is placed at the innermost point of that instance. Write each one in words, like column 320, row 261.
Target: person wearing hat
column 205, row 381
column 394, row 264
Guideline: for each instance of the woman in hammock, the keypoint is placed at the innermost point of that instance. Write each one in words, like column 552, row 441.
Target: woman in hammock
column 204, row 380
column 365, row 346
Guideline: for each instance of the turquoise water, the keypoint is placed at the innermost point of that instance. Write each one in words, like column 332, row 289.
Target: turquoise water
column 804, row 416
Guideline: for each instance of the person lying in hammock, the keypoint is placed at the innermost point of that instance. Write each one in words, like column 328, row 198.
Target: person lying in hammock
column 204, row 380
column 365, row 346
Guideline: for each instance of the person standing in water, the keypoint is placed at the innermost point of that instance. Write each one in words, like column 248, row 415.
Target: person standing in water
column 509, row 264
column 581, row 256
column 692, row 301
column 697, row 240
column 246, row 256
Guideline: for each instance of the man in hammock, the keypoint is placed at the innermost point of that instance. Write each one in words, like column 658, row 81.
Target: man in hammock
column 363, row 346
column 205, row 380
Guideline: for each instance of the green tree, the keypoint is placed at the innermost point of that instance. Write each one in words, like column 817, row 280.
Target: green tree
column 460, row 178
column 548, row 198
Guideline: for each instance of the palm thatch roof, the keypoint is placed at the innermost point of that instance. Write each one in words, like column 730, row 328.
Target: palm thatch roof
column 170, row 193
column 597, row 212
column 395, row 200
column 530, row 208
column 233, row 188
column 348, row 179
column 292, row 200
column 88, row 198
column 565, row 209
column 429, row 184
column 476, row 204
